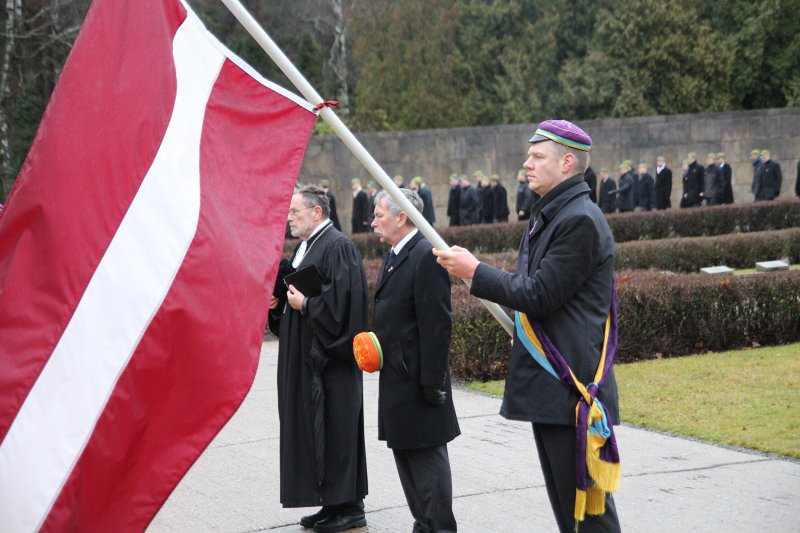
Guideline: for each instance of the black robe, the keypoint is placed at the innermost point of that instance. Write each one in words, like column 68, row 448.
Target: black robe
column 322, row 452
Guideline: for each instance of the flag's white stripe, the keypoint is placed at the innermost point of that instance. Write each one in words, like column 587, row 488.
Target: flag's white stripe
column 59, row 415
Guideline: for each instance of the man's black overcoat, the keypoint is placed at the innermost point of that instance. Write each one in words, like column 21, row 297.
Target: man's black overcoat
column 663, row 188
column 567, row 288
column 412, row 323
column 692, row 185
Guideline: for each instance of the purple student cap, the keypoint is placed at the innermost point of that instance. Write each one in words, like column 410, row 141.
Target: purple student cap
column 562, row 132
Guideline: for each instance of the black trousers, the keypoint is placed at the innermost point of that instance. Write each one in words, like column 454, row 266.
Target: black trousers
column 428, row 486
column 556, row 447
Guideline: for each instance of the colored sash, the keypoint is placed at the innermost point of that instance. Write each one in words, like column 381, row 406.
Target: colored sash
column 595, row 445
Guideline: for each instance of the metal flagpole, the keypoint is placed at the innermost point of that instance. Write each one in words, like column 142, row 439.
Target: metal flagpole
column 342, row 131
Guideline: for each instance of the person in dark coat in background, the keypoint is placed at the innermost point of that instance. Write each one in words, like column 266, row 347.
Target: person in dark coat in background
column 591, row 180
column 486, row 195
column 469, row 203
column 692, row 183
column 607, row 200
column 372, row 192
column 325, row 185
column 524, row 196
column 713, row 187
column 359, row 218
column 564, row 282
column 500, row 200
column 478, row 179
column 797, row 181
column 416, row 416
column 453, row 200
column 663, row 185
column 769, row 178
column 755, row 160
column 645, row 190
column 424, row 192
column 322, row 452
column 727, row 178
column 626, row 189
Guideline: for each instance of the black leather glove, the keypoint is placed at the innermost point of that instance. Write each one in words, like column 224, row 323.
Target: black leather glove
column 434, row 395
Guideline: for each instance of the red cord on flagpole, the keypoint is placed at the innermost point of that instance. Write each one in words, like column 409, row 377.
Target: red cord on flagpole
column 326, row 103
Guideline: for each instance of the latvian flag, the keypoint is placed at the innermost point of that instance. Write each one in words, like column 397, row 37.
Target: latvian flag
column 138, row 251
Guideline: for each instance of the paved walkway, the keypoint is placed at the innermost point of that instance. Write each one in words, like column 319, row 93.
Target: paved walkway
column 668, row 484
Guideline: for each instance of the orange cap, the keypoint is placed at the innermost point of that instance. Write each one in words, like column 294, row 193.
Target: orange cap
column 367, row 351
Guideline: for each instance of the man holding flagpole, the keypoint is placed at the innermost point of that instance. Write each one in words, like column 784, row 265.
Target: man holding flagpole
column 560, row 376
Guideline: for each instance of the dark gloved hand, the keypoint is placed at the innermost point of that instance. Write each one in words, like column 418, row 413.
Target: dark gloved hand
column 434, row 395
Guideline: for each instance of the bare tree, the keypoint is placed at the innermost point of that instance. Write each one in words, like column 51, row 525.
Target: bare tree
column 13, row 14
column 37, row 37
column 330, row 17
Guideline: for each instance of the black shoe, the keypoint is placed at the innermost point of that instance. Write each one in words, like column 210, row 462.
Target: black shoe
column 336, row 523
column 310, row 520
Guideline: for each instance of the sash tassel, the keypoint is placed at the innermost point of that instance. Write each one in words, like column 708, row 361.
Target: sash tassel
column 597, row 465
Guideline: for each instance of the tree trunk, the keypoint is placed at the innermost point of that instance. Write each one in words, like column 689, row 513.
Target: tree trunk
column 338, row 59
column 13, row 14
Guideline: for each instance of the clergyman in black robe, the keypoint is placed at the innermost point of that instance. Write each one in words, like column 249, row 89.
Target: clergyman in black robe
column 320, row 395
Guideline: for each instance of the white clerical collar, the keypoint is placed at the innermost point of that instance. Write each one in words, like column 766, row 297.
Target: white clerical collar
column 399, row 246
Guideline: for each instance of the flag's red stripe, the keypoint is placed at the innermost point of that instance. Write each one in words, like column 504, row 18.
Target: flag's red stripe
column 101, row 130
column 198, row 358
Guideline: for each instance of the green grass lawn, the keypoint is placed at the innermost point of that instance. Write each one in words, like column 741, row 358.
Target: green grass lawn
column 748, row 398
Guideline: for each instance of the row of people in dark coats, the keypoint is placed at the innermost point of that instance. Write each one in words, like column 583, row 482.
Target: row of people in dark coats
column 636, row 190
column 711, row 184
column 363, row 213
column 486, row 203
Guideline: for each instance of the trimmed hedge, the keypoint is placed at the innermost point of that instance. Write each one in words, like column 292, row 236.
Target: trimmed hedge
column 697, row 222
column 705, row 221
column 690, row 254
column 661, row 315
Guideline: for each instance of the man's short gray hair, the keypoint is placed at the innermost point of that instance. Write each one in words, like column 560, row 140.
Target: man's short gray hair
column 581, row 156
column 394, row 208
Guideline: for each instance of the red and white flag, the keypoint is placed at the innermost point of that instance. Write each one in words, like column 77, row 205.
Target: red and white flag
column 138, row 251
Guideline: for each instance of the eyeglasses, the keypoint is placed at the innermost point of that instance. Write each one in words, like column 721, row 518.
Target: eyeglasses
column 294, row 212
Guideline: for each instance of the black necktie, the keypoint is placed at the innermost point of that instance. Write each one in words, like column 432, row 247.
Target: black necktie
column 390, row 261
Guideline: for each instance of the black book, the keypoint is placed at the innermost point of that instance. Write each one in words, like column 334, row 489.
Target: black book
column 306, row 280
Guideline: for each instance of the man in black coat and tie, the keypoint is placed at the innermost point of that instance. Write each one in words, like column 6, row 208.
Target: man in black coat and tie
column 416, row 416
column 564, row 281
